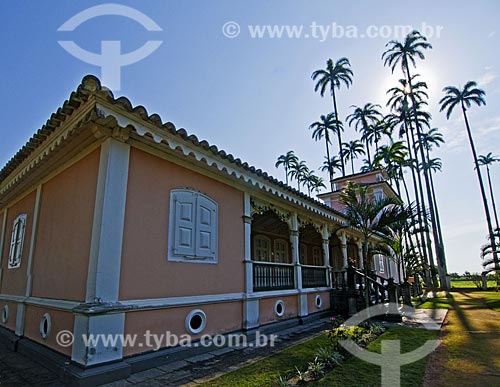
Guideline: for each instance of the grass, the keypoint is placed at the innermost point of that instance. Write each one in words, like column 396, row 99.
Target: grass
column 466, row 284
column 469, row 353
column 352, row 373
column 355, row 372
column 264, row 373
column 442, row 300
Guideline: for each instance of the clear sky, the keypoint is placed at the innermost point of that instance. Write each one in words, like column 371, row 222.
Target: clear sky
column 254, row 97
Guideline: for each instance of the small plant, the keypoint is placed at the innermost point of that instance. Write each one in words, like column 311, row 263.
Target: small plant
column 301, row 375
column 282, row 381
column 336, row 322
column 316, row 369
column 329, row 357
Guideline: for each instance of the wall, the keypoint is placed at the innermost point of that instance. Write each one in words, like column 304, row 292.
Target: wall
column 62, row 247
column 145, row 271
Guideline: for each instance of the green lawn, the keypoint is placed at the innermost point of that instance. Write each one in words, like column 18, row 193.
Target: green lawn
column 265, row 372
column 352, row 373
column 464, row 284
column 355, row 372
column 441, row 301
column 492, row 299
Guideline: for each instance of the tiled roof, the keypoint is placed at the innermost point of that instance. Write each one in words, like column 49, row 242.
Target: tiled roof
column 92, row 85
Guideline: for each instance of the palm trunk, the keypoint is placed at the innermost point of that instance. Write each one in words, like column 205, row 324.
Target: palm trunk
column 483, row 193
column 492, row 198
column 338, row 130
column 439, row 252
column 422, row 214
column 286, row 175
column 328, row 158
column 352, row 165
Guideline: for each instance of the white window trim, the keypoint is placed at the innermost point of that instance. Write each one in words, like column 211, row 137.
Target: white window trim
column 172, row 256
column 261, row 237
column 16, row 254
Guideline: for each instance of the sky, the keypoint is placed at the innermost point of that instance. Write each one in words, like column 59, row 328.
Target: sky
column 253, row 96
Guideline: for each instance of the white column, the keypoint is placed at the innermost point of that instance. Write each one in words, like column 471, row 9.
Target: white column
column 103, row 280
column 250, row 306
column 326, row 253
column 2, row 242
column 343, row 245
column 294, row 241
column 29, row 271
column 360, row 253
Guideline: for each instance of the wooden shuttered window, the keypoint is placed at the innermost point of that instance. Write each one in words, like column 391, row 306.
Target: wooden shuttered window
column 193, row 227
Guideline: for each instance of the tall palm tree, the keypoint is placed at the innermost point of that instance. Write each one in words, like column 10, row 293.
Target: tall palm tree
column 486, row 161
column 298, row 172
column 322, row 128
column 351, row 150
column 286, row 160
column 364, row 118
column 470, row 94
column 332, row 78
column 330, row 165
column 392, row 157
column 404, row 54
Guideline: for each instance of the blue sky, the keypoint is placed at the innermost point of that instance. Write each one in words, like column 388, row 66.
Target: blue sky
column 254, row 97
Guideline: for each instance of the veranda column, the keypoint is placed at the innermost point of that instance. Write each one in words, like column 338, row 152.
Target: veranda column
column 343, row 245
column 250, row 306
column 360, row 254
column 103, row 279
column 326, row 253
column 294, row 241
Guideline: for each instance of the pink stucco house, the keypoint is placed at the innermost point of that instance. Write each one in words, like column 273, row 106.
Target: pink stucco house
column 115, row 222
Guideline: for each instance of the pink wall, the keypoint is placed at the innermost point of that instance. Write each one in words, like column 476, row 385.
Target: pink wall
column 145, row 270
column 62, row 249
column 266, row 309
column 14, row 280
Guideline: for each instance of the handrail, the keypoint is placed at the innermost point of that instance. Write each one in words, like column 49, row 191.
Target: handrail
column 370, row 279
column 273, row 263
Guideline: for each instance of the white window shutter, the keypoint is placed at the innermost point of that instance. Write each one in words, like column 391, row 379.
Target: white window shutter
column 206, row 228
column 184, row 224
column 17, row 242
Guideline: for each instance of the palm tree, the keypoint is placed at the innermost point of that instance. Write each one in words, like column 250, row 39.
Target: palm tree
column 332, row 78
column 364, row 118
column 322, row 129
column 370, row 216
column 330, row 165
column 404, row 54
column 470, row 94
column 351, row 150
column 287, row 160
column 314, row 183
column 393, row 157
column 486, row 161
column 298, row 172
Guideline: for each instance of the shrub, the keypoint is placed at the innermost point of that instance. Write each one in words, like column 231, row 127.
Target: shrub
column 329, row 357
column 282, row 381
column 316, row 369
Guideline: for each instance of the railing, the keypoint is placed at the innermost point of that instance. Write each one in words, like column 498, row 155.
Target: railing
column 272, row 276
column 314, row 277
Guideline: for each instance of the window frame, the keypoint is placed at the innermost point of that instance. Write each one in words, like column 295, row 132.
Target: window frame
column 285, row 251
column 303, row 258
column 381, row 264
column 17, row 242
column 260, row 237
column 192, row 254
column 321, row 260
